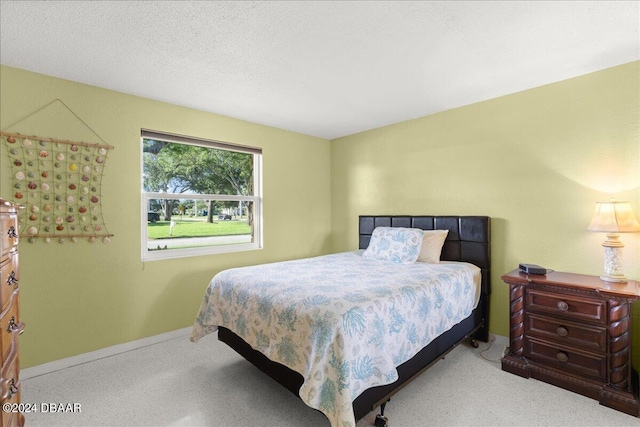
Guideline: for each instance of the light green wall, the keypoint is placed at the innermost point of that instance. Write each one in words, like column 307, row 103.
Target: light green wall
column 565, row 145
column 79, row 297
column 535, row 161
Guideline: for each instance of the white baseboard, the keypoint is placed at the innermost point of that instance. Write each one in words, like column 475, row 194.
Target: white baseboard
column 57, row 365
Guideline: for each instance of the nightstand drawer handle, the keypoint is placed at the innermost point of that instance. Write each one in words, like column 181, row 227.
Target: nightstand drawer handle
column 563, row 306
column 562, row 356
column 12, row 233
column 562, row 331
column 11, row 280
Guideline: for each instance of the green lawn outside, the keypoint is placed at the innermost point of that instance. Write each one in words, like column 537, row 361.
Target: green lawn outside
column 188, row 227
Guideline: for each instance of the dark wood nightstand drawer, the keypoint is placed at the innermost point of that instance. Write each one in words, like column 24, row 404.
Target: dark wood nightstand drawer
column 567, row 358
column 567, row 306
column 587, row 337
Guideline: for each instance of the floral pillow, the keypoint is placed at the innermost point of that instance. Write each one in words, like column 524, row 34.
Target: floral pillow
column 395, row 244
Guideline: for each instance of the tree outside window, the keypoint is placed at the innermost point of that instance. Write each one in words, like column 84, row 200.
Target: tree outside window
column 199, row 196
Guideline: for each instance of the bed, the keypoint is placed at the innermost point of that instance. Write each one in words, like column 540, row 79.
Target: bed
column 318, row 326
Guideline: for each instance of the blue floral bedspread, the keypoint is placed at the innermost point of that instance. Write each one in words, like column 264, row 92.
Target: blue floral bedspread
column 342, row 321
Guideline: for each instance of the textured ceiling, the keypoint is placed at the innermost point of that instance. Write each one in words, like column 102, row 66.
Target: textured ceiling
column 327, row 69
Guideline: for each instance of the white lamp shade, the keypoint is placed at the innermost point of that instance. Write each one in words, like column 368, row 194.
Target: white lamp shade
column 614, row 217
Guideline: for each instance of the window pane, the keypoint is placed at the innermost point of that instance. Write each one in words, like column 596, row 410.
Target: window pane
column 199, row 196
column 191, row 169
column 193, row 223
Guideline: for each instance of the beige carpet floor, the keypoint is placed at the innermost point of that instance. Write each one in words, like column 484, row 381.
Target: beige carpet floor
column 181, row 384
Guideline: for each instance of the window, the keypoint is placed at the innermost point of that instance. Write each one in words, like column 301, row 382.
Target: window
column 198, row 196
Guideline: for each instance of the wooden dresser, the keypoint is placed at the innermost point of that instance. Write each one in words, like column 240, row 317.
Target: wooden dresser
column 574, row 331
column 10, row 324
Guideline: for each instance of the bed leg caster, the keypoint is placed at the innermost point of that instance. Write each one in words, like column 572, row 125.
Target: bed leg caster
column 474, row 343
column 381, row 420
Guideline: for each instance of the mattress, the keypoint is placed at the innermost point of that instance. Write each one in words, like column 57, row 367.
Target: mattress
column 342, row 321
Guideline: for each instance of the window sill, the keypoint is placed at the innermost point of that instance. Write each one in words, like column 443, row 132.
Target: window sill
column 191, row 252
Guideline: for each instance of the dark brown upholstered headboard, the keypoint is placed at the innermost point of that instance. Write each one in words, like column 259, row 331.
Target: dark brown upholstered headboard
column 469, row 237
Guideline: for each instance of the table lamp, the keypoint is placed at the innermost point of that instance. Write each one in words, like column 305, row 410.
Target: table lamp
column 613, row 217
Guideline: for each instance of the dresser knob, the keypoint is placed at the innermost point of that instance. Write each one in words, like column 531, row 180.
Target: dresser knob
column 562, row 331
column 12, row 232
column 563, row 306
column 11, row 280
column 562, row 356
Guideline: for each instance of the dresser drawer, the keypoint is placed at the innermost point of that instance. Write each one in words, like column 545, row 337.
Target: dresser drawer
column 567, row 306
column 9, row 277
column 566, row 358
column 12, row 419
column 587, row 337
column 10, row 325
column 9, row 236
column 9, row 377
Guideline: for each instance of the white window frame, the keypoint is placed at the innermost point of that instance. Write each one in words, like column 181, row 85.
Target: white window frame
column 256, row 198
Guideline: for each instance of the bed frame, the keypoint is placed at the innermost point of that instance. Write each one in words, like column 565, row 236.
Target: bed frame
column 469, row 240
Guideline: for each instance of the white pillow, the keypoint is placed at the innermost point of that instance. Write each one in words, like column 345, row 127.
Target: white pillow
column 395, row 244
column 432, row 243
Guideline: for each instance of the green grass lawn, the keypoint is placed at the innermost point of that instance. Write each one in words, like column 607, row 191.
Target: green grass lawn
column 188, row 227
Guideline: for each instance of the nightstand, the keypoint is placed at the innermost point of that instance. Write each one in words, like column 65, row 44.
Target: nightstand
column 574, row 331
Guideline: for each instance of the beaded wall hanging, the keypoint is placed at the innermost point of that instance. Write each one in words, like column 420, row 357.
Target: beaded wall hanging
column 59, row 183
